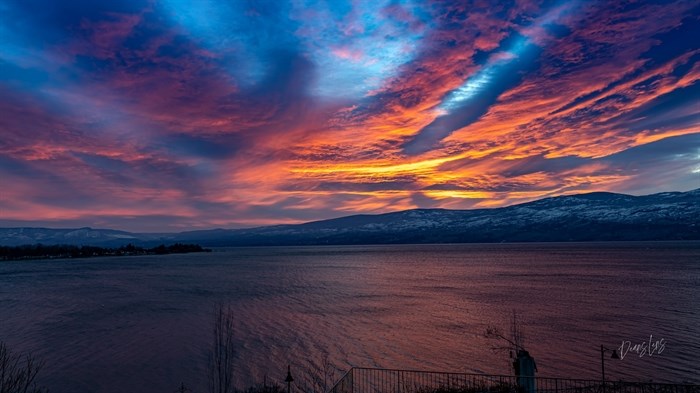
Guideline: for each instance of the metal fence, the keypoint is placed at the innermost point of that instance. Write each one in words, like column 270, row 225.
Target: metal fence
column 372, row 380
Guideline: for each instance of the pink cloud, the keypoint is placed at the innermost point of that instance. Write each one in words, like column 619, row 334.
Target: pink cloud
column 346, row 53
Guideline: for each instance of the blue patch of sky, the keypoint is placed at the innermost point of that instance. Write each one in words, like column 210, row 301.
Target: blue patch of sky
column 16, row 46
column 32, row 66
column 675, row 42
column 470, row 101
column 357, row 47
column 675, row 109
column 487, row 76
column 511, row 50
column 354, row 47
column 503, row 69
column 242, row 34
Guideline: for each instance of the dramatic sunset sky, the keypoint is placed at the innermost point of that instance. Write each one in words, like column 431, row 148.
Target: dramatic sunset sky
column 168, row 115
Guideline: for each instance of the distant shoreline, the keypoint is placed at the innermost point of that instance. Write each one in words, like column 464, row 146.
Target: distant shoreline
column 40, row 251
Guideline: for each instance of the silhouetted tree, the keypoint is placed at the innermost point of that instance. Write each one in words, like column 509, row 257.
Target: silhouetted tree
column 222, row 351
column 318, row 378
column 18, row 373
column 67, row 251
column 514, row 342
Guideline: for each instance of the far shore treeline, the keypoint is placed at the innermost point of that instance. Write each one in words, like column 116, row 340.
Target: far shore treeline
column 40, row 251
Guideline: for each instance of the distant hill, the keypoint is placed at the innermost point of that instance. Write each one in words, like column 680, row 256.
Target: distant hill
column 598, row 216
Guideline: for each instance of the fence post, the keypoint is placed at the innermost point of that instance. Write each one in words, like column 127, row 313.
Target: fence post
column 351, row 380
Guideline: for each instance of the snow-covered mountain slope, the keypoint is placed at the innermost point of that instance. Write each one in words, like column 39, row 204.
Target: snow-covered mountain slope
column 582, row 217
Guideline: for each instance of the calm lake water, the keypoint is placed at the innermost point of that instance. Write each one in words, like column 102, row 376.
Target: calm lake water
column 143, row 324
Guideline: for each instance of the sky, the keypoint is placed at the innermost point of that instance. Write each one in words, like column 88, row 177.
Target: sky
column 171, row 115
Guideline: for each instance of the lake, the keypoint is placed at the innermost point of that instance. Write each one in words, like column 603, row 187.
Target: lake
column 144, row 323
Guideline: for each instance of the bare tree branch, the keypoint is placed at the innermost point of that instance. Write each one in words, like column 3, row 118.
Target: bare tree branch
column 18, row 373
column 222, row 351
column 516, row 340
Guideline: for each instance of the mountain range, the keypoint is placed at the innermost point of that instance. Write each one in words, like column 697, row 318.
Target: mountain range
column 597, row 216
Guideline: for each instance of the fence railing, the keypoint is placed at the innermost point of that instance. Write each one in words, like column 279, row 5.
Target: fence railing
column 372, row 380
